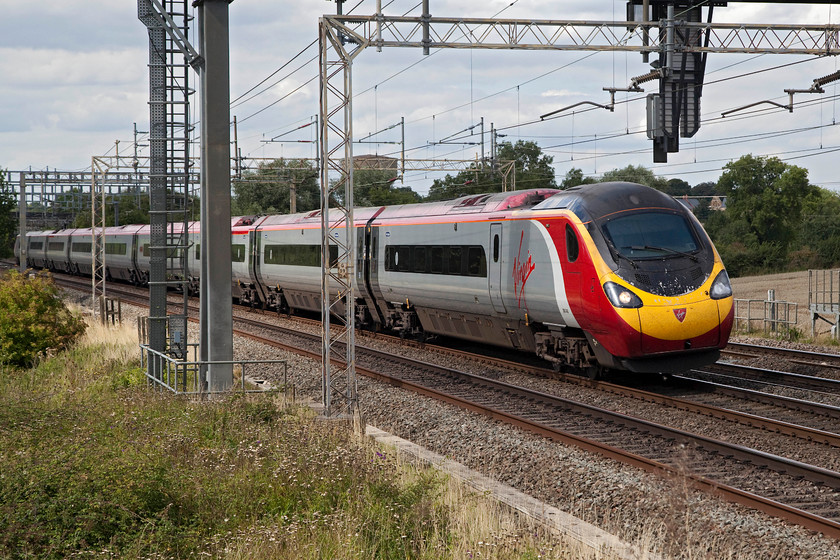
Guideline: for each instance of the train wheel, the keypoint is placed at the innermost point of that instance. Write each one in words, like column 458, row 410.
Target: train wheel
column 592, row 372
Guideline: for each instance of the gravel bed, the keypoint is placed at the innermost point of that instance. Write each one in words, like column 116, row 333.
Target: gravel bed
column 651, row 511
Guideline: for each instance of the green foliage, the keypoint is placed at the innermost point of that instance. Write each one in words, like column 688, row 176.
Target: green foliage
column 109, row 466
column 266, row 190
column 818, row 238
column 8, row 218
column 532, row 170
column 767, row 194
column 95, row 464
column 636, row 174
column 707, row 188
column 764, row 208
column 33, row 320
column 575, row 177
column 121, row 210
column 375, row 187
column 677, row 187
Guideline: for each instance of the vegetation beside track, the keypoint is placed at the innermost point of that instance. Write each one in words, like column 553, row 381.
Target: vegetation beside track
column 94, row 462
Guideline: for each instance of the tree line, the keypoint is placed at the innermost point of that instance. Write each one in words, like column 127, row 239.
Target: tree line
column 774, row 218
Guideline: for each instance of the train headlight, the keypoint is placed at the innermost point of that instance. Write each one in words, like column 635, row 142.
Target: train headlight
column 620, row 296
column 721, row 288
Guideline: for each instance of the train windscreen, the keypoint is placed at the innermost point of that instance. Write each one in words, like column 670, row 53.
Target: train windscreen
column 648, row 235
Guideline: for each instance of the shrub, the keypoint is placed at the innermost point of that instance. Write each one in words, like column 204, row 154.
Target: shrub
column 33, row 319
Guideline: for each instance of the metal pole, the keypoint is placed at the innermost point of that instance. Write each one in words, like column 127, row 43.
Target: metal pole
column 482, row 143
column 24, row 243
column 215, row 192
column 669, row 39
column 237, row 170
column 402, row 150
column 378, row 24
column 426, row 17
column 202, row 234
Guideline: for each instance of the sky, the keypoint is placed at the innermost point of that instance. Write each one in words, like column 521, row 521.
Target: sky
column 75, row 80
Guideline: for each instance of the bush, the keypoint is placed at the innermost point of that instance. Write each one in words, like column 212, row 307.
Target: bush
column 33, row 319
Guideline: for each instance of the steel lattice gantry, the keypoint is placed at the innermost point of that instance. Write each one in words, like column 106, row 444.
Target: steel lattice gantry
column 168, row 22
column 676, row 40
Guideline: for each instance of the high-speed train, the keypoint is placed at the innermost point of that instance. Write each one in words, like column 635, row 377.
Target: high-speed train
column 604, row 276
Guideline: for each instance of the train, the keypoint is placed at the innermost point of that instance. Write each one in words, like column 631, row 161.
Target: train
column 607, row 276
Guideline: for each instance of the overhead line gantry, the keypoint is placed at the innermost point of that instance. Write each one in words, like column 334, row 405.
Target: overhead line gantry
column 671, row 30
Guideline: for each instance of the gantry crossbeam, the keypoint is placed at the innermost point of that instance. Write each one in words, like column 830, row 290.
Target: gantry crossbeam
column 518, row 34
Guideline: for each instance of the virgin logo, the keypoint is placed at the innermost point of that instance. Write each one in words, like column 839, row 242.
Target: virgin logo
column 521, row 272
column 680, row 314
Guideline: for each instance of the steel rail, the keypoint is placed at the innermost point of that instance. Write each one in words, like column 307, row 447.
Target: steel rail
column 817, row 359
column 744, row 418
column 771, row 507
column 766, row 398
column 784, row 378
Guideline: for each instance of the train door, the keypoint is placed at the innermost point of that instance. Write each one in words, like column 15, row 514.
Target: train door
column 494, row 268
column 366, row 266
column 254, row 244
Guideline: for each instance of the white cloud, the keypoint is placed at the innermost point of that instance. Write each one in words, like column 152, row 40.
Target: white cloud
column 72, row 83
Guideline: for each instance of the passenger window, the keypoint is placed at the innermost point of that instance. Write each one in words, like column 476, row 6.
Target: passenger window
column 477, row 262
column 454, row 261
column 419, row 254
column 496, row 248
column 403, row 261
column 437, row 260
column 572, row 246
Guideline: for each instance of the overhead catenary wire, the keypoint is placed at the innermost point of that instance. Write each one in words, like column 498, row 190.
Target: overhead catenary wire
column 626, row 128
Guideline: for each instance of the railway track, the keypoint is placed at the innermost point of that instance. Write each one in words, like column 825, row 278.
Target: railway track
column 804, row 494
column 807, row 495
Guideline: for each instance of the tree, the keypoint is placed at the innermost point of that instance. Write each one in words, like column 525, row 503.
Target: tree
column 266, row 189
column 765, row 198
column 817, row 241
column 767, row 194
column 636, row 174
column 8, row 222
column 707, row 188
column 677, row 187
column 375, row 187
column 33, row 319
column 575, row 177
column 532, row 170
column 120, row 209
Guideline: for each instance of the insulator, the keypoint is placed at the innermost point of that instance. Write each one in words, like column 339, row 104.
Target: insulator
column 827, row 79
column 652, row 75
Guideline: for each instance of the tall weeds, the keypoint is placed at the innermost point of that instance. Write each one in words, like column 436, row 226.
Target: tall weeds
column 96, row 463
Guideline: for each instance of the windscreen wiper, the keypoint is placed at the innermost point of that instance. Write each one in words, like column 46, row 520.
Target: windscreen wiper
column 662, row 250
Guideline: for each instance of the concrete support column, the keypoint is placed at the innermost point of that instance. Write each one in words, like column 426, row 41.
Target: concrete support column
column 217, row 317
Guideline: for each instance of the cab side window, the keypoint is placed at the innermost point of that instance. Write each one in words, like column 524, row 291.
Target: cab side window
column 572, row 246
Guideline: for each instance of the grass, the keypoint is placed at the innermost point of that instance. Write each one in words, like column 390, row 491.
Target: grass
column 94, row 464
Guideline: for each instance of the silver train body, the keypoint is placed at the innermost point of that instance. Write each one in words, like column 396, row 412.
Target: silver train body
column 491, row 268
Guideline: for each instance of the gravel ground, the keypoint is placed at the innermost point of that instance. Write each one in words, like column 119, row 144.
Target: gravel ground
column 645, row 509
column 635, row 506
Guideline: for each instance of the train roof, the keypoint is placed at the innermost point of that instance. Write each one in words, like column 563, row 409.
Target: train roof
column 601, row 199
column 472, row 204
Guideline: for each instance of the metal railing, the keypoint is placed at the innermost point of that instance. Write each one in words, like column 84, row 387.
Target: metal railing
column 185, row 377
column 824, row 299
column 767, row 315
